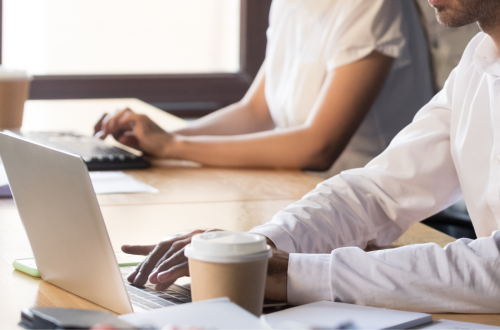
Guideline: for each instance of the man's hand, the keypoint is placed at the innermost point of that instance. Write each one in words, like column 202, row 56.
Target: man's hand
column 136, row 131
column 166, row 262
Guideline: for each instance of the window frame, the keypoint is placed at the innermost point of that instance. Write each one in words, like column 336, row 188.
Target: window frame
column 189, row 95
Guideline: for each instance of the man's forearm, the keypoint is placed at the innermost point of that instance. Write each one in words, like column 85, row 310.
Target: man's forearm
column 464, row 277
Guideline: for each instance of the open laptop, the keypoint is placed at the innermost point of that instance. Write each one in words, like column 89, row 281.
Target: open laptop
column 66, row 230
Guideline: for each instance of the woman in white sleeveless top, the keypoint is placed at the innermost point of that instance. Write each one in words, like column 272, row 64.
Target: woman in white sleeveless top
column 340, row 79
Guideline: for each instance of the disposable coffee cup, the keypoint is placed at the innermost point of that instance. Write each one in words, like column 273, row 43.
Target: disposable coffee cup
column 229, row 264
column 14, row 90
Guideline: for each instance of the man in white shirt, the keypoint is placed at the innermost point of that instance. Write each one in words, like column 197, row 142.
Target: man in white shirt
column 451, row 149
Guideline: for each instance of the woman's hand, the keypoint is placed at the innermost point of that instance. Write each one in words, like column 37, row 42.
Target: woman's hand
column 137, row 131
column 166, row 263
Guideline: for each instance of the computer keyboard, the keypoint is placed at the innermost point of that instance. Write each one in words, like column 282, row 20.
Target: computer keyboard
column 97, row 154
column 147, row 298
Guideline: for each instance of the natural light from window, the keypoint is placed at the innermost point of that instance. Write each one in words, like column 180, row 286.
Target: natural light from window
column 64, row 37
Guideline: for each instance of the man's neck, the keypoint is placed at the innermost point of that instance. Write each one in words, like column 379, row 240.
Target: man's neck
column 492, row 28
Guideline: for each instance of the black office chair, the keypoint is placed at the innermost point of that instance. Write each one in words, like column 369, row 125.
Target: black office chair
column 454, row 221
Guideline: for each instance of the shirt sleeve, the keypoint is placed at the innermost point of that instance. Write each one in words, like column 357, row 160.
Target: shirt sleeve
column 412, row 179
column 464, row 277
column 365, row 26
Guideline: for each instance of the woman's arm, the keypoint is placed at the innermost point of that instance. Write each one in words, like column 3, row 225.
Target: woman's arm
column 346, row 96
column 249, row 115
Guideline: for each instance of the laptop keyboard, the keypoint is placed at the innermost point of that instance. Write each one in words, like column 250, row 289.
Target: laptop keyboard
column 97, row 154
column 148, row 298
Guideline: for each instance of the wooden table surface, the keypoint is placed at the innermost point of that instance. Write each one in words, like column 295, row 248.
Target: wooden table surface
column 190, row 197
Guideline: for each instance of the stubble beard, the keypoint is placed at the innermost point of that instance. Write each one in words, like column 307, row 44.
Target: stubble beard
column 485, row 12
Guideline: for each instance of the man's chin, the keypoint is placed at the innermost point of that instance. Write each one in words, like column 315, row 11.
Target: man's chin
column 442, row 17
column 448, row 20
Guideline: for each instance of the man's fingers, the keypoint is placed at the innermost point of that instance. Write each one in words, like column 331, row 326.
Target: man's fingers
column 162, row 251
column 161, row 287
column 131, row 276
column 176, row 246
column 170, row 276
column 176, row 258
column 142, row 250
column 150, row 263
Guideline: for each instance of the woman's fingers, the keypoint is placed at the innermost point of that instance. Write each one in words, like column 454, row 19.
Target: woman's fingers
column 117, row 127
column 109, row 123
column 129, row 139
column 98, row 125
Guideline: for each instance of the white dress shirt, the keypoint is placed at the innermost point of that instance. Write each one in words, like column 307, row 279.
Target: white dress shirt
column 452, row 148
column 307, row 39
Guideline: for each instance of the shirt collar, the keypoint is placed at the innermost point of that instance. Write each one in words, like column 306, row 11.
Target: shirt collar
column 486, row 57
column 313, row 7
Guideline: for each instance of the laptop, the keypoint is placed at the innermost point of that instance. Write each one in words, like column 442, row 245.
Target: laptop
column 67, row 233
column 66, row 230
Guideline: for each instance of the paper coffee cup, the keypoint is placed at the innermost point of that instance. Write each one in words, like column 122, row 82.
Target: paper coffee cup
column 14, row 90
column 229, row 264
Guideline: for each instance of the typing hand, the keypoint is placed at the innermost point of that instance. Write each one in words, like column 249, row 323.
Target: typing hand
column 165, row 262
column 135, row 130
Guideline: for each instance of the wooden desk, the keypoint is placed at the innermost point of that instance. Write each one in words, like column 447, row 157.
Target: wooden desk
column 189, row 198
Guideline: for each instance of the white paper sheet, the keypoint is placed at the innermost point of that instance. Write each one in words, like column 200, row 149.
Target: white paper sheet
column 456, row 325
column 113, row 182
column 118, row 183
column 209, row 314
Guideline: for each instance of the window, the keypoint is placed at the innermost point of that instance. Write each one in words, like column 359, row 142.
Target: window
column 187, row 56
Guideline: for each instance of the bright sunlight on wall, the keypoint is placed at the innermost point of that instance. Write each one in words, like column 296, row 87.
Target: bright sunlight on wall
column 121, row 36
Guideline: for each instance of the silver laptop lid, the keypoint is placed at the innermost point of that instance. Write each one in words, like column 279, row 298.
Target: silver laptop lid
column 63, row 221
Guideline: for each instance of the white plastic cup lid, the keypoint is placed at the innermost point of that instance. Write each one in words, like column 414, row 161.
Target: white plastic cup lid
column 7, row 74
column 228, row 247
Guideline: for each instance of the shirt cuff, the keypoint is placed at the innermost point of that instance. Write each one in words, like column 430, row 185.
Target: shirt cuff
column 308, row 278
column 280, row 237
